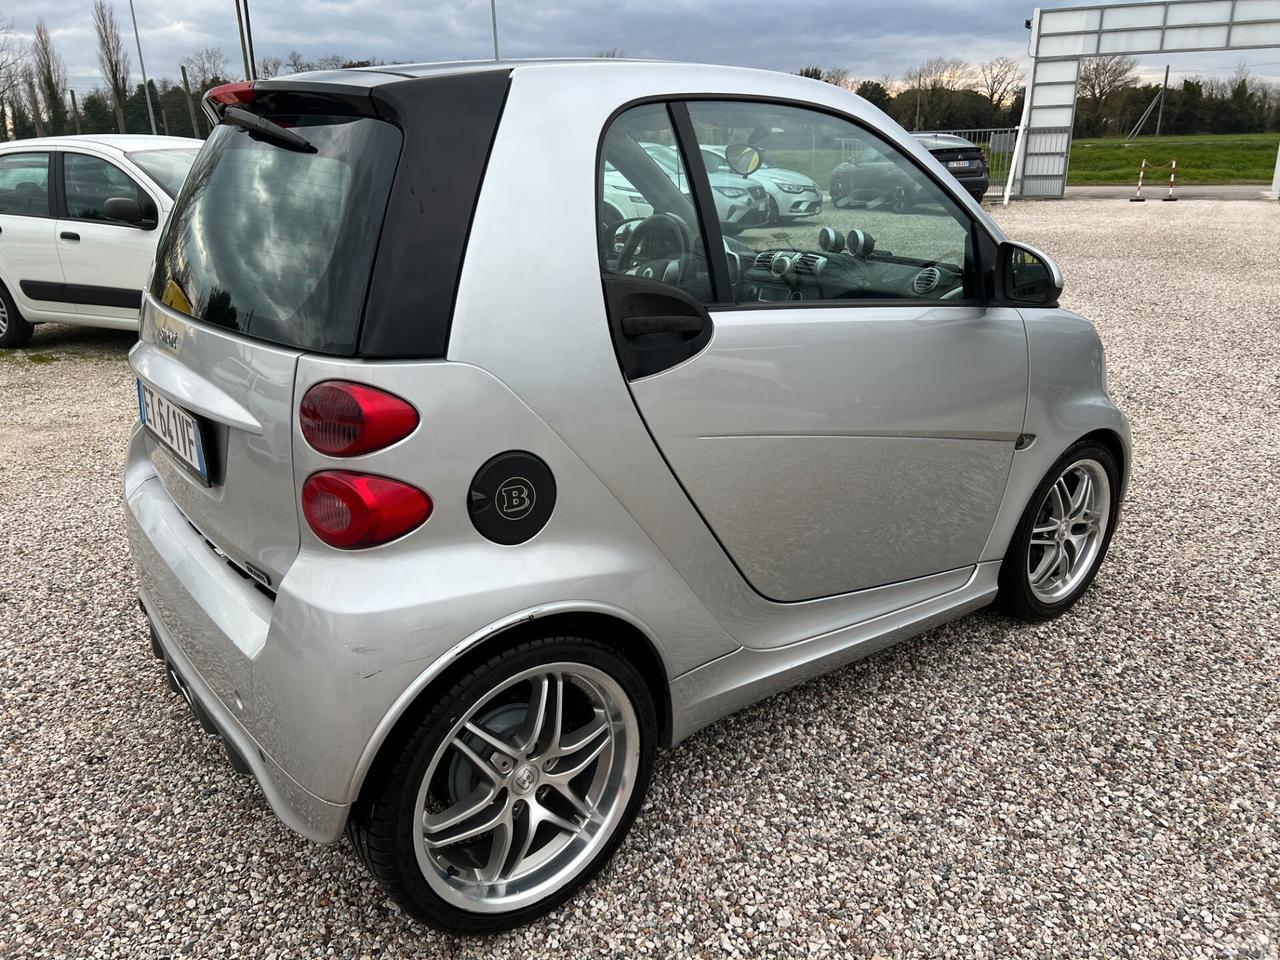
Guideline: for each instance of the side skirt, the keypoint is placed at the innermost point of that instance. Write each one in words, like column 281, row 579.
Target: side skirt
column 748, row 674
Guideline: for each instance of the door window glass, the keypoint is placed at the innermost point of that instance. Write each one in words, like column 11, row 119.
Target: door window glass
column 648, row 225
column 846, row 215
column 24, row 184
column 91, row 182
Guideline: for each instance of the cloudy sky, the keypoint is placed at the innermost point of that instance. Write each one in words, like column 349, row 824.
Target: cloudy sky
column 870, row 38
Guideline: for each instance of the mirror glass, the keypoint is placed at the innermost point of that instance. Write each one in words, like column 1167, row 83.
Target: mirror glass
column 742, row 158
column 1028, row 278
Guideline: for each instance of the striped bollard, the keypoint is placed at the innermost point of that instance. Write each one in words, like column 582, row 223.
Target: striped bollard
column 1173, row 172
column 1138, row 197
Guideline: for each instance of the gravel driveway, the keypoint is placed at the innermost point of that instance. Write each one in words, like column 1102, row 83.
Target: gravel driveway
column 1104, row 785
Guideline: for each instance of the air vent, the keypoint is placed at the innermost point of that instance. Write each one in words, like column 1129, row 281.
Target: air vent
column 809, row 263
column 926, row 280
column 762, row 260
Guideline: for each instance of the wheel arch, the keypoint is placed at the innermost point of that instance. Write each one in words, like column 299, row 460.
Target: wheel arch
column 626, row 635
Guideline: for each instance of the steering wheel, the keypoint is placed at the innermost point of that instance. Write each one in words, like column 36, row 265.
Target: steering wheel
column 652, row 232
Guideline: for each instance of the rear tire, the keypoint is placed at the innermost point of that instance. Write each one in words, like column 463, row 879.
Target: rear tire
column 522, row 820
column 15, row 332
column 1063, row 535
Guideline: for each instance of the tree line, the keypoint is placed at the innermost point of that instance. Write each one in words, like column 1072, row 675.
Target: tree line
column 35, row 98
column 949, row 93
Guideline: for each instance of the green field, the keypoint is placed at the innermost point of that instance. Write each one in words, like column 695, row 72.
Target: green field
column 1209, row 158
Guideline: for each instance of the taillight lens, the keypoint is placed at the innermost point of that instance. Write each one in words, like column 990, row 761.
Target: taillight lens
column 232, row 94
column 344, row 419
column 354, row 510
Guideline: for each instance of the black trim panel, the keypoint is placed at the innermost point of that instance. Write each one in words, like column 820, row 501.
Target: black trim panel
column 449, row 126
column 82, row 294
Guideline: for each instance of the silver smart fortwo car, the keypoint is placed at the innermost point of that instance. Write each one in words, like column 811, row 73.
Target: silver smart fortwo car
column 453, row 499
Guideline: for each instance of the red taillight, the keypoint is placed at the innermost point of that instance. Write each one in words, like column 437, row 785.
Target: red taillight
column 354, row 510
column 231, row 94
column 342, row 419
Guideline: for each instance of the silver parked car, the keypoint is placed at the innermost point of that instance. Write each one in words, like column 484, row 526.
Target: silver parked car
column 792, row 195
column 452, row 499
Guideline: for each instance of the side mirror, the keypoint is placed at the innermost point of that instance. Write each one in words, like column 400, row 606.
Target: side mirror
column 1028, row 276
column 742, row 159
column 123, row 209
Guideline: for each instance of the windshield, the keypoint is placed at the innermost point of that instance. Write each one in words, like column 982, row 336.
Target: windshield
column 278, row 244
column 166, row 167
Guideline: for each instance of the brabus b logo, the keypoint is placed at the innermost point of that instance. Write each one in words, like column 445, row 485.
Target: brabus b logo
column 515, row 498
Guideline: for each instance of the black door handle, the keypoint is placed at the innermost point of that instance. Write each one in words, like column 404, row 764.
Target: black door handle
column 68, row 235
column 640, row 311
column 643, row 326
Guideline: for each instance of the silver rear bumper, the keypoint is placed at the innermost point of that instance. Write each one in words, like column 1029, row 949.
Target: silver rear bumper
column 210, row 626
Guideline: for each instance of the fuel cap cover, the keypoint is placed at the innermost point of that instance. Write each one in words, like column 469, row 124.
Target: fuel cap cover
column 511, row 497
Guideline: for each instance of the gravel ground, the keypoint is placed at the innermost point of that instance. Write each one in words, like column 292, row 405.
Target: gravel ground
column 1103, row 785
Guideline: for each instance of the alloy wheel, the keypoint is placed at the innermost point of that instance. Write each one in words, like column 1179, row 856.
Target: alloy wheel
column 4, row 317
column 1069, row 530
column 526, row 788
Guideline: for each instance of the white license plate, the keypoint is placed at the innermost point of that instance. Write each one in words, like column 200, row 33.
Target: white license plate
column 178, row 430
column 958, row 164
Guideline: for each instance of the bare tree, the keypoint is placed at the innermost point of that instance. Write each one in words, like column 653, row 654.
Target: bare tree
column 28, row 81
column 839, row 77
column 205, row 66
column 50, row 73
column 330, row 61
column 295, row 62
column 1102, row 76
column 998, row 79
column 12, row 55
column 613, row 53
column 933, row 84
column 113, row 59
column 270, row 66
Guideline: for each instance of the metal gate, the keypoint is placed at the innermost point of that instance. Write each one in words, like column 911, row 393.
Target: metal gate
column 997, row 143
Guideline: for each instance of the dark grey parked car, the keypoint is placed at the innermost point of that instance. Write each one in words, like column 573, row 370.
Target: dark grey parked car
column 964, row 160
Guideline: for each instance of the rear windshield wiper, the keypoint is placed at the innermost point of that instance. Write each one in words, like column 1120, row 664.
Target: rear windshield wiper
column 267, row 130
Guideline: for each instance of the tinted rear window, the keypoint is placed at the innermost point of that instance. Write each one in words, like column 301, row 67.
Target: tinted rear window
column 278, row 244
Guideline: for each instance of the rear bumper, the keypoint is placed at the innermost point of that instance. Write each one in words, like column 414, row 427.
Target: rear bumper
column 213, row 627
column 299, row 809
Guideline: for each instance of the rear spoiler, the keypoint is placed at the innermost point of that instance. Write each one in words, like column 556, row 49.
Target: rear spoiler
column 293, row 97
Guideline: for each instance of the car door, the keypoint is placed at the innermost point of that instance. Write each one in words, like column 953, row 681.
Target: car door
column 105, row 263
column 851, row 420
column 28, row 258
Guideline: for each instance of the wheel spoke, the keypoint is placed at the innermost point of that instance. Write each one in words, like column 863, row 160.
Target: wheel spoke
column 500, row 850
column 1083, row 495
column 1046, row 566
column 578, row 803
column 460, row 811
column 1061, row 497
column 568, row 826
column 496, row 742
column 486, row 768
column 581, row 747
column 473, row 829
column 527, row 831
column 537, row 713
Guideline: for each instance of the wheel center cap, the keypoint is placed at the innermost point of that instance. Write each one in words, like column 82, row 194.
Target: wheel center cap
column 525, row 779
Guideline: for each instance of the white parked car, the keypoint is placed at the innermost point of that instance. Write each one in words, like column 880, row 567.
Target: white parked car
column 79, row 220
column 792, row 195
column 739, row 202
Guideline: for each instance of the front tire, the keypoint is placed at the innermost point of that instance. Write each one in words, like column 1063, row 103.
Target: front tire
column 15, row 332
column 514, row 788
column 1063, row 535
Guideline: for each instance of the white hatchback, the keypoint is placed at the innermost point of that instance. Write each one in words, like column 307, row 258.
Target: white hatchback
column 79, row 220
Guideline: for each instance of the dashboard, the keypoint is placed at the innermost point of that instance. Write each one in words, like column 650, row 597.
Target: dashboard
column 846, row 266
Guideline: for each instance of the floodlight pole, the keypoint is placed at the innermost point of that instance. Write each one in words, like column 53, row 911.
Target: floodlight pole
column 493, row 17
column 1275, row 180
column 1163, row 91
column 146, row 87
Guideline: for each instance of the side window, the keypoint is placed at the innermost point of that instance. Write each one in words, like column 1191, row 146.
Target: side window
column 647, row 221
column 24, row 184
column 815, row 208
column 91, row 182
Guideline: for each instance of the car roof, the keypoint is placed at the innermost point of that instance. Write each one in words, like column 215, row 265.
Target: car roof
column 943, row 140
column 117, row 142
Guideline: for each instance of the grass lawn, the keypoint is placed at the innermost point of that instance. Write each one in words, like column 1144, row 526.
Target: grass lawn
column 1208, row 158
